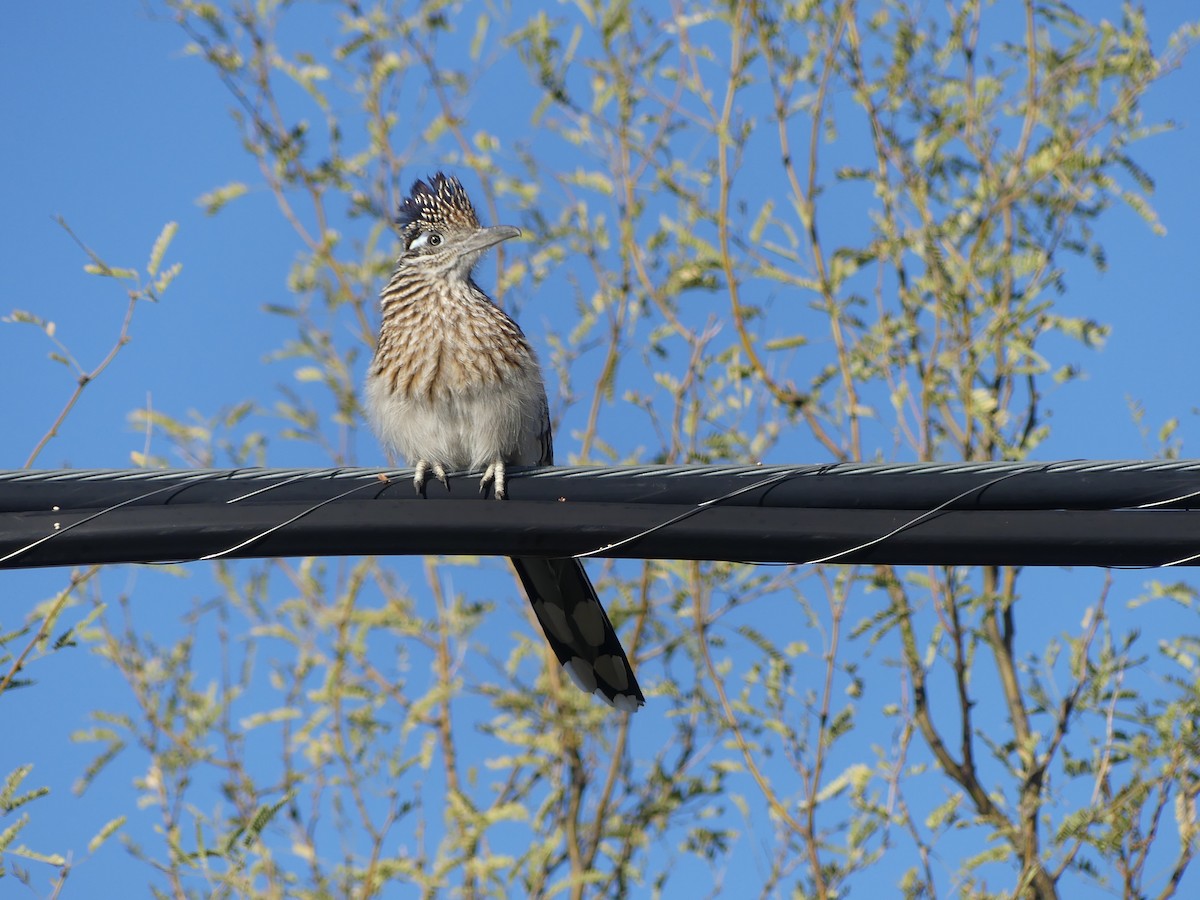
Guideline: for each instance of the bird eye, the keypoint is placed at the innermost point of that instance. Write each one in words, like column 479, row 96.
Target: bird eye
column 432, row 238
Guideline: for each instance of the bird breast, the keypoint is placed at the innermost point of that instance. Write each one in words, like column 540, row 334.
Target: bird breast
column 455, row 383
column 435, row 343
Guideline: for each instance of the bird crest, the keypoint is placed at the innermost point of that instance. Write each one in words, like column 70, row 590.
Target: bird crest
column 440, row 203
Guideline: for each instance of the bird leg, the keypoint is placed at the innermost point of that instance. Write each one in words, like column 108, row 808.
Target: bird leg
column 494, row 475
column 424, row 467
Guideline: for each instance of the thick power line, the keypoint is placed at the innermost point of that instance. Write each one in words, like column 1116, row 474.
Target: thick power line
column 1066, row 513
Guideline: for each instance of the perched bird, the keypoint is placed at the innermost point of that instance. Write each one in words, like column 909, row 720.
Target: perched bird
column 455, row 385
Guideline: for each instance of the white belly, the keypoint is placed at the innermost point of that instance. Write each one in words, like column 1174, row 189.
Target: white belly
column 463, row 430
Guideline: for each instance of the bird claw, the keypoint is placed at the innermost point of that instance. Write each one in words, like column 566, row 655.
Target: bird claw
column 422, row 475
column 495, row 477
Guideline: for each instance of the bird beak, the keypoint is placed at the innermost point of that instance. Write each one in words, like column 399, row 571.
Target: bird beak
column 487, row 237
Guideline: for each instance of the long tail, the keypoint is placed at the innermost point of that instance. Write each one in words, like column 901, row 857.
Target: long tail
column 578, row 629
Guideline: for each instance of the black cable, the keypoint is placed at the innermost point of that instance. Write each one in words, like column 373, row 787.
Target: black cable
column 1079, row 484
column 1075, row 513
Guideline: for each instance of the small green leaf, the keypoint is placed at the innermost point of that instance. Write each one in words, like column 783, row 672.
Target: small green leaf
column 214, row 200
column 52, row 859
column 9, row 833
column 481, row 30
column 789, row 343
column 105, row 833
column 160, row 247
column 27, row 318
column 165, row 279
column 109, row 272
column 760, row 223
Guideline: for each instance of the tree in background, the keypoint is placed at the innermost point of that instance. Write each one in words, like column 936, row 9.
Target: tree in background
column 788, row 232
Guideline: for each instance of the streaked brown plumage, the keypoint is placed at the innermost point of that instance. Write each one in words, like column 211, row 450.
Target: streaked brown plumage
column 455, row 385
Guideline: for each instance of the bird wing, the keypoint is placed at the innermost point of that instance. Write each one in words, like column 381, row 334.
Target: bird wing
column 546, row 435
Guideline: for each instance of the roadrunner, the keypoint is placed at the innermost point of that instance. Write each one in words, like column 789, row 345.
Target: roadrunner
column 455, row 385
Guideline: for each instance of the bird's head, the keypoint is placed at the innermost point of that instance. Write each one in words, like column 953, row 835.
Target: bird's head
column 440, row 230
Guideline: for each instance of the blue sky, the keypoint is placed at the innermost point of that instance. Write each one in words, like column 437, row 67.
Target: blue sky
column 109, row 125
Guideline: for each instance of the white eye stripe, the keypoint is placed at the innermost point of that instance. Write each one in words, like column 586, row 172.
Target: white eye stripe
column 430, row 238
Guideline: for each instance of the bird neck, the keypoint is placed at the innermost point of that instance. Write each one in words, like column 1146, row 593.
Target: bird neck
column 411, row 292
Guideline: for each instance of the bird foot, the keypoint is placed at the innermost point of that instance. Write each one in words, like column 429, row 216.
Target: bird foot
column 495, row 477
column 424, row 467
